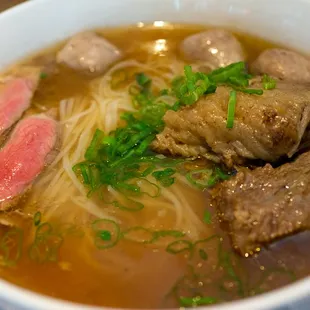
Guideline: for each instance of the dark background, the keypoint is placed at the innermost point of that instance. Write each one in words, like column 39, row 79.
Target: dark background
column 5, row 4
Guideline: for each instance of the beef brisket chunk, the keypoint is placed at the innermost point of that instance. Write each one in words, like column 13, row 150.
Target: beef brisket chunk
column 266, row 127
column 266, row 203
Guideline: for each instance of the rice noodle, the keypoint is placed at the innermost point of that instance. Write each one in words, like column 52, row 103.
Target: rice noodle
column 59, row 190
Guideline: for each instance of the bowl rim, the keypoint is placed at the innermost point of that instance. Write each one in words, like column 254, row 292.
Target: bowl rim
column 24, row 298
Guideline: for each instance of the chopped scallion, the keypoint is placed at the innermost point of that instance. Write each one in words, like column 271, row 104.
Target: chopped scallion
column 205, row 178
column 165, row 176
column 231, row 109
column 196, row 301
column 106, row 238
column 179, row 246
column 203, row 254
column 105, row 235
column 143, row 80
column 37, row 218
column 43, row 75
column 207, row 217
column 268, row 82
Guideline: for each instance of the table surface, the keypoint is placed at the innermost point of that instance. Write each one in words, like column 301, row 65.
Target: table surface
column 5, row 4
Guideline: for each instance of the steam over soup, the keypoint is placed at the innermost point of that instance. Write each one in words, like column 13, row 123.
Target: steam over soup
column 155, row 167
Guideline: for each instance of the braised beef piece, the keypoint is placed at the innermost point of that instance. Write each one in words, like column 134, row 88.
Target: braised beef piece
column 265, row 204
column 266, row 127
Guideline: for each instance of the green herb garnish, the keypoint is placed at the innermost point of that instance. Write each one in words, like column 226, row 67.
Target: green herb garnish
column 250, row 91
column 106, row 238
column 123, row 158
column 46, row 244
column 196, row 301
column 43, row 75
column 180, row 246
column 203, row 254
column 268, row 82
column 207, row 217
column 190, row 88
column 206, row 178
column 143, row 80
column 231, row 109
column 104, row 235
column 165, row 176
column 11, row 245
column 37, row 218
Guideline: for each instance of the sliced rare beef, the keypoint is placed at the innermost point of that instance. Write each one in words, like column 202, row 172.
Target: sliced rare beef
column 89, row 53
column 31, row 147
column 266, row 127
column 283, row 64
column 266, row 203
column 216, row 47
column 16, row 95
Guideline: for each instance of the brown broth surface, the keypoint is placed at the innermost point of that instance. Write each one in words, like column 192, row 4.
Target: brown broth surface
column 148, row 275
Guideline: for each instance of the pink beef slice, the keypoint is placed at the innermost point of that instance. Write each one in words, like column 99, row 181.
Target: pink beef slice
column 31, row 147
column 15, row 98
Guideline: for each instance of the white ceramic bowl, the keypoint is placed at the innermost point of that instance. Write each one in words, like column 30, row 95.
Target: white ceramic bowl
column 39, row 23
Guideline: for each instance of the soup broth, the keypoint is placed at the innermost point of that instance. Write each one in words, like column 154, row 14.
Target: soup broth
column 107, row 250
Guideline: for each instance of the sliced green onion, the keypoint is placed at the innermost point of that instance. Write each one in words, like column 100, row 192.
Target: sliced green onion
column 37, row 218
column 190, row 88
column 164, row 92
column 11, row 247
column 92, row 151
column 203, row 254
column 104, row 235
column 179, row 246
column 44, row 229
column 142, row 79
column 43, row 75
column 167, row 233
column 231, row 109
column 269, row 82
column 200, row 178
column 197, row 301
column 207, row 217
column 222, row 75
column 46, row 244
column 239, row 81
column 111, row 236
column 221, row 174
column 164, row 176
